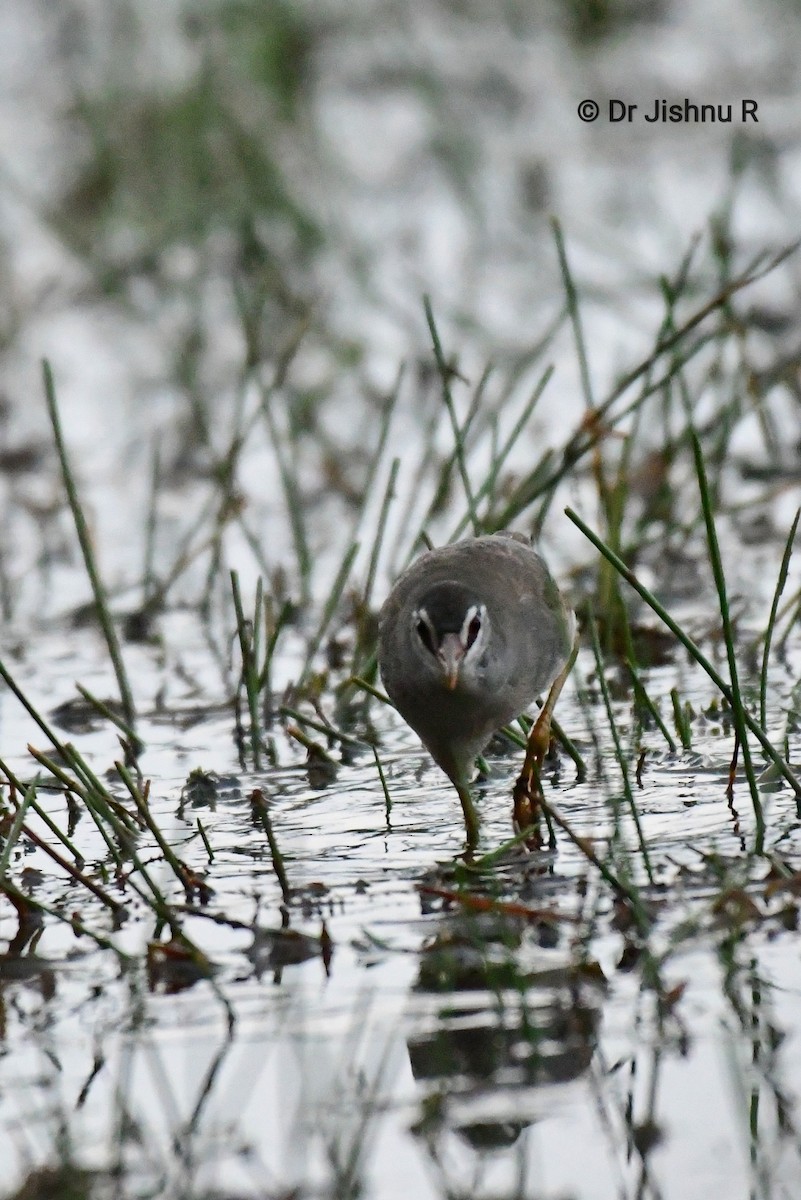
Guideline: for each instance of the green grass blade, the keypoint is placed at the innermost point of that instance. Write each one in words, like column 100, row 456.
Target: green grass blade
column 82, row 529
column 458, row 434
column 619, row 753
column 773, row 754
column 774, row 608
column 575, row 315
column 16, row 829
column 738, row 707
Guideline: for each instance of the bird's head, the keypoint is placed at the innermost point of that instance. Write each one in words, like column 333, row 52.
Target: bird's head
column 449, row 630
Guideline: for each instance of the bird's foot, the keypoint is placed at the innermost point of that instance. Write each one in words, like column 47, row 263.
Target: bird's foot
column 527, row 791
column 526, row 807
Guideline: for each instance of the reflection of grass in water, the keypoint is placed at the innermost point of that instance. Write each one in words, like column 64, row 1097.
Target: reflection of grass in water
column 171, row 169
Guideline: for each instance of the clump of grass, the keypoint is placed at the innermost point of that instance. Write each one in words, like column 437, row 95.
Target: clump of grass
column 749, row 722
column 119, row 829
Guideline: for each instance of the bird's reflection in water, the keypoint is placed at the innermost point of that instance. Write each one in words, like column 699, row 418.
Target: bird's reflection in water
column 516, row 1014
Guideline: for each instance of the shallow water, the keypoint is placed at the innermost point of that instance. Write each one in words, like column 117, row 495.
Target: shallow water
column 544, row 1048
column 441, row 1050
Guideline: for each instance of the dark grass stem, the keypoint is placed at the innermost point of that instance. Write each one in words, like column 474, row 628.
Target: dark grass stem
column 366, row 686
column 74, row 873
column 446, row 373
column 17, row 825
column 70, row 919
column 91, row 786
column 472, row 430
column 680, row 721
column 88, row 784
column 84, row 537
column 328, row 730
column 261, row 810
column 399, row 551
column 759, row 268
column 571, row 750
column 139, row 799
column 248, row 633
column 384, row 788
column 488, row 485
column 312, row 748
column 557, row 733
column 774, row 609
column 575, row 315
column 88, row 781
column 99, row 812
column 330, row 607
column 793, row 607
column 104, row 710
column 584, row 846
column 186, row 552
column 42, row 814
column 293, row 497
column 376, row 458
column 148, row 569
column 738, row 707
column 693, row 650
column 205, row 839
column 363, row 643
column 628, row 794
column 642, row 697
column 378, row 541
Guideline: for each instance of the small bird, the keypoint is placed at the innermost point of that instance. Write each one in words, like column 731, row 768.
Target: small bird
column 469, row 635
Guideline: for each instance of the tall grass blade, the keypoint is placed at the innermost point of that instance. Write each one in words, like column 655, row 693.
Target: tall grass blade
column 445, row 373
column 294, row 500
column 247, row 633
column 738, row 707
column 774, row 609
column 487, row 487
column 575, row 315
column 330, row 607
column 84, row 537
column 619, row 754
column 12, row 836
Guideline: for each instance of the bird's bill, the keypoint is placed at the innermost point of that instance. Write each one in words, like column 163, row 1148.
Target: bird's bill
column 450, row 655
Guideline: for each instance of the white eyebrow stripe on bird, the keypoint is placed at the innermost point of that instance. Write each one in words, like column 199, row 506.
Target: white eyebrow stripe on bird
column 419, row 615
column 475, row 610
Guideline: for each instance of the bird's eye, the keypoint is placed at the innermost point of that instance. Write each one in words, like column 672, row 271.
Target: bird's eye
column 473, row 631
column 425, row 636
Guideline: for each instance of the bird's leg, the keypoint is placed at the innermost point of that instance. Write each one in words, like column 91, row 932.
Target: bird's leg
column 471, row 823
column 528, row 788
